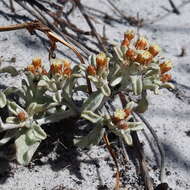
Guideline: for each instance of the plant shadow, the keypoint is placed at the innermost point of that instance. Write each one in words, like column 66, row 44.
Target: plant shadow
column 60, row 143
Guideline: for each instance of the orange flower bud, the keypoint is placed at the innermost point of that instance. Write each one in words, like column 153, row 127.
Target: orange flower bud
column 101, row 61
column 127, row 112
column 141, row 43
column 144, row 57
column 125, row 42
column 31, row 69
column 129, row 35
column 66, row 64
column 44, row 72
column 37, row 62
column 118, row 116
column 165, row 66
column 21, row 116
column 154, row 50
column 122, row 125
column 131, row 54
column 67, row 72
column 166, row 77
column 91, row 70
column 56, row 68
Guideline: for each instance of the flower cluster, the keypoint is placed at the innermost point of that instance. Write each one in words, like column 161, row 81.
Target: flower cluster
column 101, row 65
column 36, row 67
column 132, row 68
column 138, row 50
column 141, row 51
column 165, row 67
column 61, row 67
column 58, row 66
column 120, row 118
column 98, row 71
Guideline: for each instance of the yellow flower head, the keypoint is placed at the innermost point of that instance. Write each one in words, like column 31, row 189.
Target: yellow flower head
column 21, row 116
column 165, row 66
column 166, row 77
column 130, row 34
column 141, row 44
column 31, row 68
column 154, row 50
column 101, row 61
column 91, row 70
column 131, row 54
column 56, row 68
column 144, row 57
column 37, row 62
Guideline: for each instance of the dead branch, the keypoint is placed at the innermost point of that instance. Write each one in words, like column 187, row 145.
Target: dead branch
column 108, row 146
column 93, row 29
column 175, row 9
column 160, row 148
column 138, row 148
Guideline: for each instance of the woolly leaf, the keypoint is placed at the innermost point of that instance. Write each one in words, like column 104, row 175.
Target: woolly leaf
column 8, row 136
column 9, row 69
column 130, row 105
column 36, row 133
column 57, row 97
column 127, row 137
column 28, row 142
column 93, row 102
column 115, row 81
column 15, row 108
column 91, row 116
column 168, row 85
column 105, row 89
column 3, row 100
column 142, row 105
column 136, row 84
column 13, row 90
column 43, row 83
column 35, row 108
column 25, row 150
column 11, row 120
column 93, row 138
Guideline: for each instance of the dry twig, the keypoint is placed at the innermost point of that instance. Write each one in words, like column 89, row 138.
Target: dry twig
column 108, row 146
column 138, row 147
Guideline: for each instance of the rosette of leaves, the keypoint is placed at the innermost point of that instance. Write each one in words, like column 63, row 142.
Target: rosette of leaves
column 120, row 123
column 21, row 126
column 136, row 67
column 37, row 105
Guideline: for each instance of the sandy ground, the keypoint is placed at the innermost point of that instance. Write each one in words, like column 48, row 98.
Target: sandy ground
column 169, row 113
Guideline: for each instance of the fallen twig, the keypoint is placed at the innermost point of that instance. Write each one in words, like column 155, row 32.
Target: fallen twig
column 93, row 29
column 108, row 146
column 138, row 147
column 131, row 20
column 175, row 9
column 160, row 148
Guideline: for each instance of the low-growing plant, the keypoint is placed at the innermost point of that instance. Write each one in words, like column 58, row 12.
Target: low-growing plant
column 49, row 95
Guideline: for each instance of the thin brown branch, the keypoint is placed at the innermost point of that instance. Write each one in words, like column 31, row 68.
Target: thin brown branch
column 11, row 5
column 131, row 20
column 63, row 35
column 143, row 164
column 138, row 147
column 108, row 146
column 13, row 27
column 41, row 27
column 175, row 9
column 31, row 26
column 160, row 148
column 93, row 29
